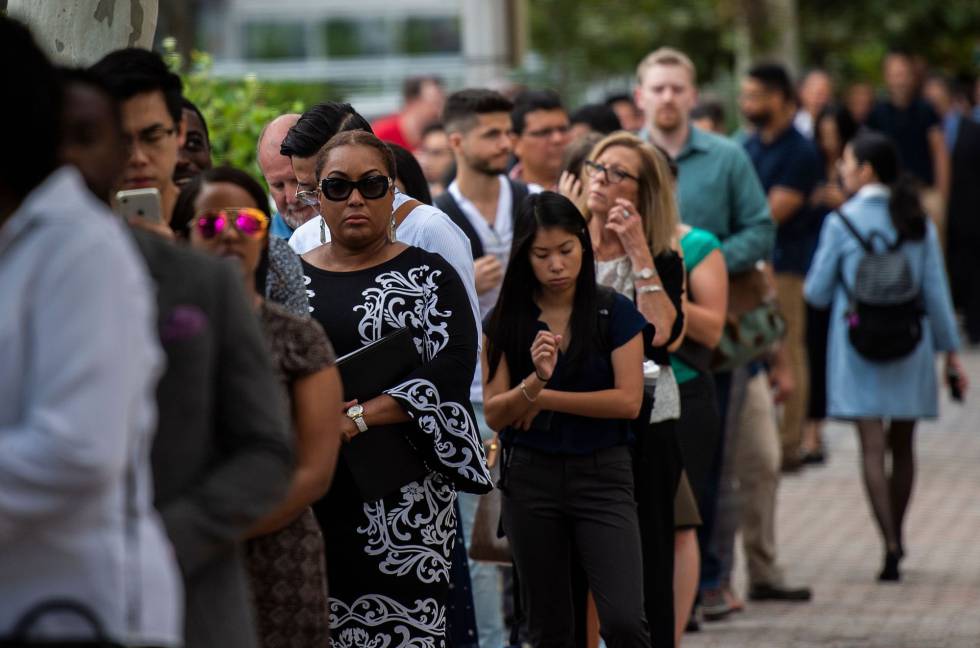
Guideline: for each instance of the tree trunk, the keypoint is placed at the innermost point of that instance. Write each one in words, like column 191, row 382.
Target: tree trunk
column 80, row 32
column 767, row 30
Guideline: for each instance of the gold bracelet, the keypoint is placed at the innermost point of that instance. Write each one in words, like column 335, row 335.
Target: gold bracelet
column 526, row 395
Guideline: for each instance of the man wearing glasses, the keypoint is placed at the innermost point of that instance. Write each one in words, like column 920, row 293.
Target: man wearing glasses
column 541, row 135
column 152, row 119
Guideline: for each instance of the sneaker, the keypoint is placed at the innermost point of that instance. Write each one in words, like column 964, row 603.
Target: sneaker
column 714, row 606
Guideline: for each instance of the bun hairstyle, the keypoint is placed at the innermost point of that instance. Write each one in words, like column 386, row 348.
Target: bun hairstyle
column 906, row 211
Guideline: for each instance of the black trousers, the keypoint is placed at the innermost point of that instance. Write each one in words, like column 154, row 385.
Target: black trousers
column 657, row 466
column 558, row 509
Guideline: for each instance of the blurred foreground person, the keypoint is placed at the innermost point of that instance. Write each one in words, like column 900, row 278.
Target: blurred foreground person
column 79, row 363
column 221, row 458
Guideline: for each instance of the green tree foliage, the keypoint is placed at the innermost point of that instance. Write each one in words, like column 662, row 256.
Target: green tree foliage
column 236, row 110
column 850, row 37
column 583, row 41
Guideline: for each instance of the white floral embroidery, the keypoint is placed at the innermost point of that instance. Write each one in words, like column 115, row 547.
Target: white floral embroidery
column 412, row 299
column 406, row 299
column 416, row 534
column 310, row 294
column 435, row 417
column 377, row 621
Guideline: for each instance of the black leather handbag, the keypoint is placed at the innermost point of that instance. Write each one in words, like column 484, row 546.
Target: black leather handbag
column 20, row 635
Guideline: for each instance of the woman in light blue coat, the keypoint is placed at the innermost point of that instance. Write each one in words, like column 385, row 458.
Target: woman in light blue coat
column 885, row 399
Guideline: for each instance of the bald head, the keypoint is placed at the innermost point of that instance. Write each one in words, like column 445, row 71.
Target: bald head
column 278, row 171
column 271, row 137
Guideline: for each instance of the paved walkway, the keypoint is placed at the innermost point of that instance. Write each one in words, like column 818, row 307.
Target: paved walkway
column 828, row 540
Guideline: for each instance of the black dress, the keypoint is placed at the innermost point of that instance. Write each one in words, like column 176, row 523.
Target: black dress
column 388, row 560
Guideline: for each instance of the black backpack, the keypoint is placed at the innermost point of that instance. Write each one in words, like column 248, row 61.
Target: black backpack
column 884, row 315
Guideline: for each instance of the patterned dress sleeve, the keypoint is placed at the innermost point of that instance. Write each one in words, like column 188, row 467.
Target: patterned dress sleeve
column 284, row 283
column 436, row 395
column 299, row 344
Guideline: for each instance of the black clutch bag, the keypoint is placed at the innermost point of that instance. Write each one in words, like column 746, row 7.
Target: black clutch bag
column 381, row 460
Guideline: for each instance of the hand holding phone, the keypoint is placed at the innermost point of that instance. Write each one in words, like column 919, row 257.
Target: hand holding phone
column 139, row 203
column 955, row 378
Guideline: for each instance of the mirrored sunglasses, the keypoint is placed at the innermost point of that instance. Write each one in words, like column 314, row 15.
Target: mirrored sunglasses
column 249, row 221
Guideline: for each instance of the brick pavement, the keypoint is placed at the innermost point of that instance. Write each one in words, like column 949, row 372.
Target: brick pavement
column 827, row 539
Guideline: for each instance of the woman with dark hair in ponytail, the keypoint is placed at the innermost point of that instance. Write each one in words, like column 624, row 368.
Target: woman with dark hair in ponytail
column 225, row 212
column 885, row 398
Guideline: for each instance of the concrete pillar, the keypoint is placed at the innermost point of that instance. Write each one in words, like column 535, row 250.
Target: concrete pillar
column 488, row 48
column 80, row 32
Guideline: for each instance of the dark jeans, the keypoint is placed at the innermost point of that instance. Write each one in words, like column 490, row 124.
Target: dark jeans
column 710, row 564
column 557, row 508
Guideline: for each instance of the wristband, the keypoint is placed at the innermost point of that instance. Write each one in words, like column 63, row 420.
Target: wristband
column 538, row 376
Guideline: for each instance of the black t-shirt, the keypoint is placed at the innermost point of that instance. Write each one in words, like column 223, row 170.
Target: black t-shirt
column 560, row 433
column 909, row 128
column 790, row 161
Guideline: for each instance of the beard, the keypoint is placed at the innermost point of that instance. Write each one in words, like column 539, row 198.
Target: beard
column 296, row 217
column 485, row 166
column 760, row 119
column 668, row 119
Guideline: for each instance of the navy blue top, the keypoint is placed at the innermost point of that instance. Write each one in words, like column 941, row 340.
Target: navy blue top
column 790, row 161
column 909, row 129
column 560, row 433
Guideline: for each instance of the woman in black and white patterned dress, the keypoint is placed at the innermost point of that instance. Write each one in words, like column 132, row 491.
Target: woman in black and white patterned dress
column 388, row 560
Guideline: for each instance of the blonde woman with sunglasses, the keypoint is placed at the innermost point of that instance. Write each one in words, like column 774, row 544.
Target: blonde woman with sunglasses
column 224, row 212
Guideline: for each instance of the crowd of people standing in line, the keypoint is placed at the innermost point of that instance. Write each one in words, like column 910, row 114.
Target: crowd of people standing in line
column 269, row 419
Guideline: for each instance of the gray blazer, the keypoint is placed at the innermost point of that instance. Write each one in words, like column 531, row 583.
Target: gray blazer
column 222, row 457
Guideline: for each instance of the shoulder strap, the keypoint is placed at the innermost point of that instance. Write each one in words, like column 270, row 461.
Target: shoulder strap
column 406, row 208
column 450, row 207
column 518, row 193
column 854, row 232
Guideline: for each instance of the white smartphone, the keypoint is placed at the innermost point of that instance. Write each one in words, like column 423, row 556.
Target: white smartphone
column 139, row 203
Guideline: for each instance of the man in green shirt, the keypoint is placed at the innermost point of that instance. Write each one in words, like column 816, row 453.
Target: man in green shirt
column 718, row 189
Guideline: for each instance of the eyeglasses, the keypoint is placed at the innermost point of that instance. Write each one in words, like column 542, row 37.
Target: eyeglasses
column 150, row 138
column 613, row 176
column 308, row 197
column 371, row 187
column 548, row 132
column 249, row 221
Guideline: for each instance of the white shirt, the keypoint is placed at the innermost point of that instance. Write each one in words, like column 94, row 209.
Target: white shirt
column 79, row 364
column 804, row 123
column 425, row 227
column 496, row 240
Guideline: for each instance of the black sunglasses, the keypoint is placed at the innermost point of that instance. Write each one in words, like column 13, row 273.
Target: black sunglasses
column 371, row 187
